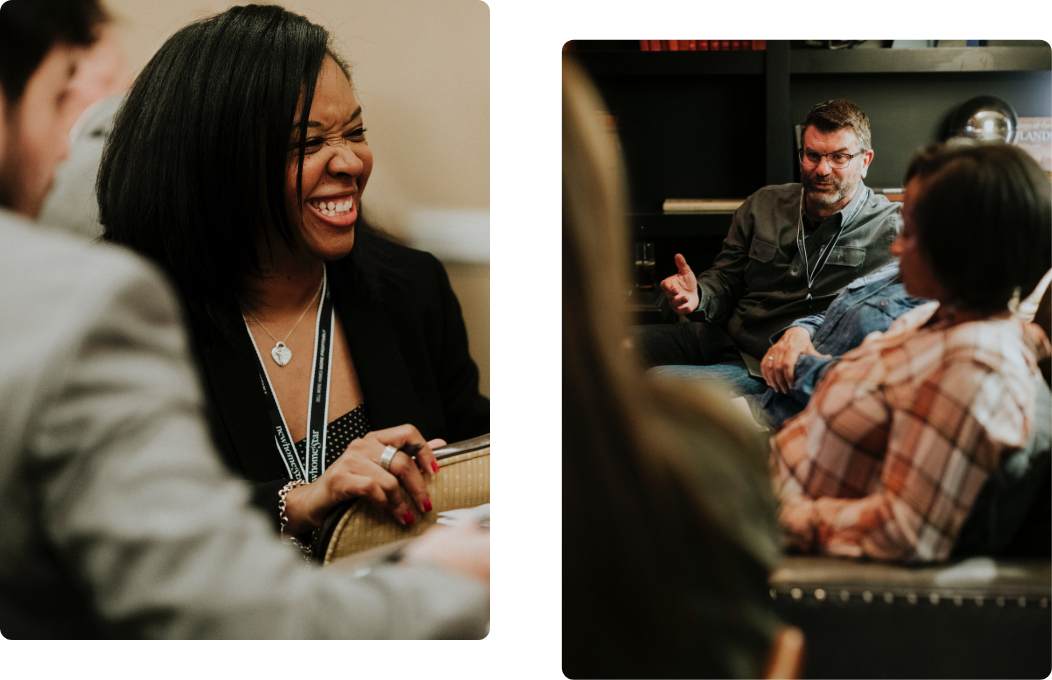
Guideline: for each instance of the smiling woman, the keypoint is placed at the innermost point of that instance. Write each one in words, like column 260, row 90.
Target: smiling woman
column 205, row 132
column 324, row 197
column 238, row 163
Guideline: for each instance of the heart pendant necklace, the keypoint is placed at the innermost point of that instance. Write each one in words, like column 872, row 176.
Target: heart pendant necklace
column 281, row 354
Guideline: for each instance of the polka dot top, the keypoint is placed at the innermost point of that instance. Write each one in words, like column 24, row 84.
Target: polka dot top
column 339, row 433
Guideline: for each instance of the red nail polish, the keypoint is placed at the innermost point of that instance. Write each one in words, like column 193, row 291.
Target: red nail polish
column 408, row 517
column 427, row 506
column 434, row 466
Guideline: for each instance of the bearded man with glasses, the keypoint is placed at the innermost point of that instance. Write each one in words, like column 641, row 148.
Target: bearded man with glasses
column 790, row 250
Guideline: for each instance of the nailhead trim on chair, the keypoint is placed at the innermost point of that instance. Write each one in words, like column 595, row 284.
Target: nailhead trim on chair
column 912, row 598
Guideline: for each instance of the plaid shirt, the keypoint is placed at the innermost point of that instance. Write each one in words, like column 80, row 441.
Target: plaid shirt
column 901, row 434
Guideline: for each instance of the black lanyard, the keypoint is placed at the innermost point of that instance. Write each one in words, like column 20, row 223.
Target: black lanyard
column 317, row 406
column 825, row 251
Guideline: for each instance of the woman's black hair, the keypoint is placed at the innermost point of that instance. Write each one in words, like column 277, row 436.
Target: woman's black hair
column 29, row 29
column 984, row 220
column 195, row 166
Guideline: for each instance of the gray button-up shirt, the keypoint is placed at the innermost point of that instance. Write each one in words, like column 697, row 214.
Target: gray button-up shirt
column 757, row 286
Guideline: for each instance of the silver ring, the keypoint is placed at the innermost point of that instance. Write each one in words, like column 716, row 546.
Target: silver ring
column 770, row 358
column 387, row 456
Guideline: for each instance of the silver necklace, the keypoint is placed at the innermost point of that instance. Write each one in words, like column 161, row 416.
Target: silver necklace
column 281, row 353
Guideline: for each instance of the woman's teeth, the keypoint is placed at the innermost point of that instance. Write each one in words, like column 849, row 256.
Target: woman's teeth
column 331, row 209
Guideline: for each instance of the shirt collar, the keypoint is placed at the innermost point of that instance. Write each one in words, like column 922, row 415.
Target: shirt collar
column 840, row 215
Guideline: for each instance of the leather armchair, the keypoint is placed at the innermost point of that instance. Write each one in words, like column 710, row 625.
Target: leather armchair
column 980, row 617
column 977, row 618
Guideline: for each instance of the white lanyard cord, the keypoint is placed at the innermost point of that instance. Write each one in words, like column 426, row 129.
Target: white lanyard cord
column 823, row 255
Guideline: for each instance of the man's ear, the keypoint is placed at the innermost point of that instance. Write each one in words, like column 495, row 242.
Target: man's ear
column 867, row 158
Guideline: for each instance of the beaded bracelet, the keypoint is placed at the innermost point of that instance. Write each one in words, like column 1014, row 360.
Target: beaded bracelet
column 283, row 519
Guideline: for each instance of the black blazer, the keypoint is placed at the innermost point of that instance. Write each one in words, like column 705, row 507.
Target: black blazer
column 410, row 351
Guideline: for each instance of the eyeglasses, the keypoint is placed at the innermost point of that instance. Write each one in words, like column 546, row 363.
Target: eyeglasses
column 837, row 160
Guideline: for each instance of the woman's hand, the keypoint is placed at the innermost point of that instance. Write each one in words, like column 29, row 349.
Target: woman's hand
column 357, row 472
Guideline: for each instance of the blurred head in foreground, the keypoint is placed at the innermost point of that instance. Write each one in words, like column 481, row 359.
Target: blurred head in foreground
column 978, row 224
column 668, row 516
column 42, row 45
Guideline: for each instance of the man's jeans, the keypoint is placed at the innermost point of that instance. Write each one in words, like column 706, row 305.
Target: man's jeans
column 696, row 351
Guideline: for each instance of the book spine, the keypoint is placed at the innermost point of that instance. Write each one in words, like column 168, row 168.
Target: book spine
column 692, row 44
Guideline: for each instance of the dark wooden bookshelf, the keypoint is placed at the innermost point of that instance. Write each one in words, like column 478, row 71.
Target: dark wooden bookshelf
column 664, row 225
column 720, row 124
column 625, row 63
column 927, row 60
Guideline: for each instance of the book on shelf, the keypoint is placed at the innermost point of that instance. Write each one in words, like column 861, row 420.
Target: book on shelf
column 700, row 45
column 702, row 205
column 1034, row 135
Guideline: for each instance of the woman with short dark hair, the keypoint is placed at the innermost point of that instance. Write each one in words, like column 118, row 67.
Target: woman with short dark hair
column 901, row 435
column 237, row 163
column 985, row 211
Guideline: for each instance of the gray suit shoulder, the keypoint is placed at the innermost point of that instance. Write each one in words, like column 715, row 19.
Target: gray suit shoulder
column 96, row 388
column 47, row 261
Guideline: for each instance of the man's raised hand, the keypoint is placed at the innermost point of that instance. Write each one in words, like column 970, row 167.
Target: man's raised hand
column 681, row 289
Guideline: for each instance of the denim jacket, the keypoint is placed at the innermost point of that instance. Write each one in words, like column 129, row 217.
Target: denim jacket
column 868, row 304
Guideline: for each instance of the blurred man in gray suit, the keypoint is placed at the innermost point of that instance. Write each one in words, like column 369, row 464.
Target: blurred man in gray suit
column 118, row 519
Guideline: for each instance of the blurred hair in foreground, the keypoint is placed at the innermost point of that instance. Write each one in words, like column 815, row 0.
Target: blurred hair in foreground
column 669, row 529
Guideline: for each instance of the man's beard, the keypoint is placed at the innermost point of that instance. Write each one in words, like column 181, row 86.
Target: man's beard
column 839, row 190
